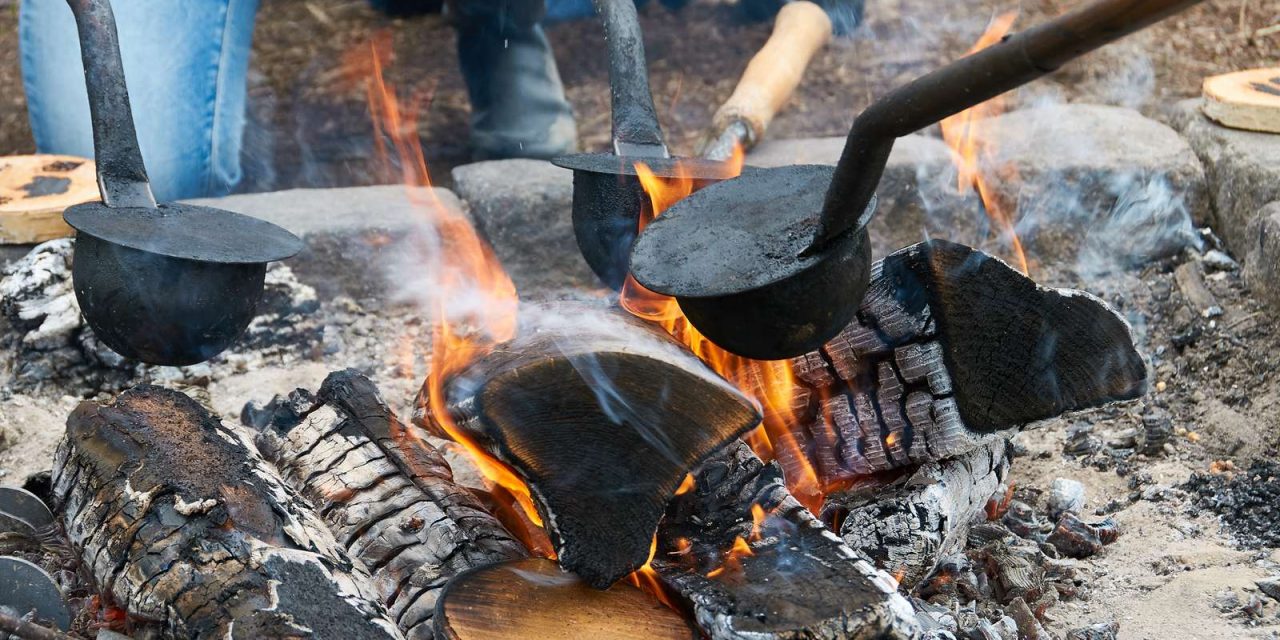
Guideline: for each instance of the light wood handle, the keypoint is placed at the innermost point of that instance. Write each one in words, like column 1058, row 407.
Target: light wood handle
column 801, row 29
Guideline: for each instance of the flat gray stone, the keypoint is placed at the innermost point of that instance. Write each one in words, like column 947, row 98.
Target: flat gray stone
column 1243, row 169
column 1262, row 254
column 1103, row 185
column 918, row 194
column 524, row 208
column 355, row 236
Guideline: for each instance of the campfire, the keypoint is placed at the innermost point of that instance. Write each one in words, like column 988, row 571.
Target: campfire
column 594, row 464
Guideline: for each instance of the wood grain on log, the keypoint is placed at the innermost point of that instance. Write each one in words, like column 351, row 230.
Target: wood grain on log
column 949, row 348
column 534, row 598
column 387, row 495
column 799, row 580
column 909, row 525
column 602, row 415
column 181, row 522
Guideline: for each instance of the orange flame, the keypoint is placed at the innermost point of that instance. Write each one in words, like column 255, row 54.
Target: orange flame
column 771, row 384
column 959, row 133
column 474, row 301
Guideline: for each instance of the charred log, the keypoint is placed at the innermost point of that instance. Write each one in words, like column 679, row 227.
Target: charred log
column 534, row 598
column 949, row 348
column 602, row 417
column 911, row 524
column 181, row 522
column 387, row 495
column 751, row 562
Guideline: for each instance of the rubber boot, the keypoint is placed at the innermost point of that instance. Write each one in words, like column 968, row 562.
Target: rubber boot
column 518, row 106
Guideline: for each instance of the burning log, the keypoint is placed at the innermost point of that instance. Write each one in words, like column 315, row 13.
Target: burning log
column 533, row 598
column 180, row 522
column 387, row 495
column 602, row 416
column 911, row 524
column 753, row 563
column 949, row 348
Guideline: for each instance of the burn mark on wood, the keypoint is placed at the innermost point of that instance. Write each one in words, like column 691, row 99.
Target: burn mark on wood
column 950, row 347
column 602, row 417
column 180, row 522
column 798, row 581
column 384, row 491
column 41, row 186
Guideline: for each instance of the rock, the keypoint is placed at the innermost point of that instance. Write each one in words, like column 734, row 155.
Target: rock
column 1243, row 169
column 1215, row 260
column 1262, row 254
column 1103, row 185
column 1270, row 586
column 356, row 237
column 1100, row 631
column 1065, row 496
column 525, row 210
column 918, row 194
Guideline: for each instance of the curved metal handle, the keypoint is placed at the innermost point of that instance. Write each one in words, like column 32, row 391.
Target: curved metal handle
column 1015, row 61
column 636, row 131
column 122, row 178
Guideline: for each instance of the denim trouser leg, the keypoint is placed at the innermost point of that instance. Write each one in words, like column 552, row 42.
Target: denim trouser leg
column 185, row 63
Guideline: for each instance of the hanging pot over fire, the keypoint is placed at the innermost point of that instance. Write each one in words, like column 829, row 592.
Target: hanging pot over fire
column 169, row 284
column 774, row 263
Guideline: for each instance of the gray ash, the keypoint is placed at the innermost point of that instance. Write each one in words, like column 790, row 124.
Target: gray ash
column 1247, row 503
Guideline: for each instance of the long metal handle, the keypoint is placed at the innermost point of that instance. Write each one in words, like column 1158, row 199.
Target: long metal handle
column 1015, row 61
column 122, row 178
column 635, row 122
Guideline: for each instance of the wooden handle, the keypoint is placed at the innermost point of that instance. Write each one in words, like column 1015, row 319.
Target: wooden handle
column 801, row 29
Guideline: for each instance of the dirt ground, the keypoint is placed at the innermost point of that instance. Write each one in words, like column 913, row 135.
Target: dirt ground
column 310, row 123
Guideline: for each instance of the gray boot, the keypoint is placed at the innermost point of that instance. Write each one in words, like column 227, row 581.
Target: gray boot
column 518, row 107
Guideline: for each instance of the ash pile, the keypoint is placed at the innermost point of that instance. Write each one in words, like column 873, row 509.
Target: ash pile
column 47, row 344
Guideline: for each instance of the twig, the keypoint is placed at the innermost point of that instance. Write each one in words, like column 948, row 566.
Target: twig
column 29, row 630
column 1266, row 31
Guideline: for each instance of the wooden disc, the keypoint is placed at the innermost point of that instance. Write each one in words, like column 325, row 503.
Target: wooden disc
column 34, row 190
column 1245, row 99
column 534, row 598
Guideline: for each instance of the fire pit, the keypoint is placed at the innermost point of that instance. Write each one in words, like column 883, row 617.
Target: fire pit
column 1000, row 443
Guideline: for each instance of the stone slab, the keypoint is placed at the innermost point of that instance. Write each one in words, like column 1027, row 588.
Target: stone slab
column 1099, row 185
column 1262, row 255
column 354, row 235
column 1243, row 169
column 524, row 208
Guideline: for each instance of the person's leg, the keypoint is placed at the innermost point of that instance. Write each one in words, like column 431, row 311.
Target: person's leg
column 185, row 64
column 518, row 107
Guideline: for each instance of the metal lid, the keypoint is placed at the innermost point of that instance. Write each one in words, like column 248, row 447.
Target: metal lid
column 695, row 168
column 186, row 231
column 736, row 235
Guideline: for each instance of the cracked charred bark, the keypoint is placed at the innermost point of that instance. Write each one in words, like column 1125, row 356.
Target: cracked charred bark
column 387, row 495
column 950, row 350
column 181, row 522
column 798, row 581
column 602, row 415
column 909, row 525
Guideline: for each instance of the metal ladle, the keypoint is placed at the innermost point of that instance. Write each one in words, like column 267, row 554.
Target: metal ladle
column 169, row 284
column 774, row 263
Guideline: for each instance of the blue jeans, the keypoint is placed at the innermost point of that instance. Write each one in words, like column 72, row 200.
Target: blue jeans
column 185, row 63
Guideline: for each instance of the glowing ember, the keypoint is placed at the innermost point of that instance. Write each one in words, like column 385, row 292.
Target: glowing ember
column 686, row 485
column 959, row 133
